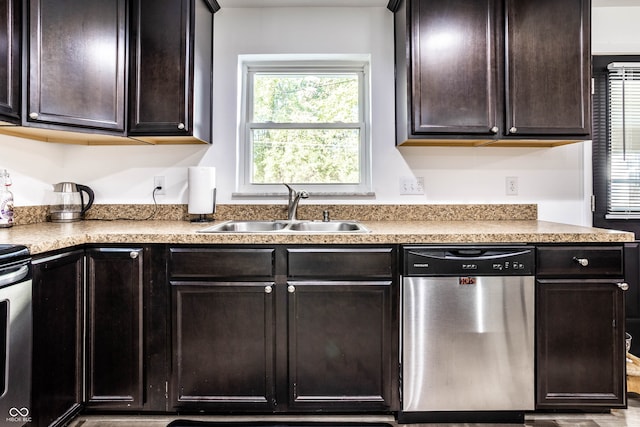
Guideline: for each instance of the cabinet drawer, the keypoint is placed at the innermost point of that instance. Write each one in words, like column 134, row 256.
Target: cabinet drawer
column 340, row 263
column 221, row 263
column 580, row 261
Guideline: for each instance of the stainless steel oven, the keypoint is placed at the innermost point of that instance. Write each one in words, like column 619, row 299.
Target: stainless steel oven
column 468, row 334
column 15, row 336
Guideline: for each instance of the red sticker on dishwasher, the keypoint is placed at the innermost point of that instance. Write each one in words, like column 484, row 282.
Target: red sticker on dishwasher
column 466, row 280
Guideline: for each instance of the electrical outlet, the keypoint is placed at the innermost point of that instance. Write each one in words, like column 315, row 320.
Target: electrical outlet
column 158, row 181
column 511, row 183
column 412, row 185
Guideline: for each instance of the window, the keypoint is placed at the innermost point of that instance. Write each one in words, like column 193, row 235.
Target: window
column 624, row 140
column 616, row 142
column 304, row 121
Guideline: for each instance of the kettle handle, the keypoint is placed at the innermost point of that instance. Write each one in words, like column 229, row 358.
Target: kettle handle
column 91, row 195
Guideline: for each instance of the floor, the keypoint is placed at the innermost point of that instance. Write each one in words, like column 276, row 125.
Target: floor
column 617, row 418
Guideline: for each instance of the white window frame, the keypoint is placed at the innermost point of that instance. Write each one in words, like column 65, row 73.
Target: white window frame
column 249, row 65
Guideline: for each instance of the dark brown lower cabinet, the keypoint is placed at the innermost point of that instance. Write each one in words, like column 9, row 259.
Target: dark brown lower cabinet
column 580, row 329
column 114, row 344
column 57, row 337
column 255, row 330
column 340, row 345
column 223, row 345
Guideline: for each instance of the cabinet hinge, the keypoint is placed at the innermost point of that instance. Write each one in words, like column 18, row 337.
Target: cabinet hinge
column 593, row 203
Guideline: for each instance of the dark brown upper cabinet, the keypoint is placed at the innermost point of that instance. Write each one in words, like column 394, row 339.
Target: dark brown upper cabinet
column 77, row 64
column 120, row 72
column 10, row 33
column 171, row 68
column 492, row 72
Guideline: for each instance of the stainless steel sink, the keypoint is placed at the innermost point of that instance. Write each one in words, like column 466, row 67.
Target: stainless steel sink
column 286, row 227
column 327, row 227
column 245, row 227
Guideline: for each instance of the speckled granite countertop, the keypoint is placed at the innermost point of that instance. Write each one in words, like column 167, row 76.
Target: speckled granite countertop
column 43, row 237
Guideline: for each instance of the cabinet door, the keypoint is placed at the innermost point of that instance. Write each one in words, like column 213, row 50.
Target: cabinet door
column 10, row 33
column 171, row 60
column 548, row 84
column 57, row 337
column 77, row 63
column 114, row 328
column 454, row 66
column 340, row 345
column 223, row 345
column 580, row 344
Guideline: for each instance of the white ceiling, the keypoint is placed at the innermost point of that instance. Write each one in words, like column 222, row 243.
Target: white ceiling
column 302, row 3
column 615, row 3
column 370, row 3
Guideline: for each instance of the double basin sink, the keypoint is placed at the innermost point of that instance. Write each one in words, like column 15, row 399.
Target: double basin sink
column 286, row 227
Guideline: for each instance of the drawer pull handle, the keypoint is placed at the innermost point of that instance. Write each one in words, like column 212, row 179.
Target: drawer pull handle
column 582, row 261
column 268, row 289
column 624, row 286
column 133, row 254
column 291, row 289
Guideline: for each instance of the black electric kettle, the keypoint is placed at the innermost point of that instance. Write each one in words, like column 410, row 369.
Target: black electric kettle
column 68, row 203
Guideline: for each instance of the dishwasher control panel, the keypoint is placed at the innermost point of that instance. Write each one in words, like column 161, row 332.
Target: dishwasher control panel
column 469, row 260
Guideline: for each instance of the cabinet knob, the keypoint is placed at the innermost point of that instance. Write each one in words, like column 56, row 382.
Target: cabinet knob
column 268, row 289
column 494, row 129
column 33, row 115
column 133, row 254
column 513, row 129
column 291, row 289
column 624, row 286
column 581, row 261
column 181, row 126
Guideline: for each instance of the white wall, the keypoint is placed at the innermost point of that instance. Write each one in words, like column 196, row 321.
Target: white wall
column 615, row 30
column 557, row 179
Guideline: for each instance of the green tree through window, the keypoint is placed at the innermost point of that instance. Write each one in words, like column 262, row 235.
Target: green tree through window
column 299, row 131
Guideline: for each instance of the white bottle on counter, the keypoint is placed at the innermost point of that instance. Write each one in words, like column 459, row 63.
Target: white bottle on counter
column 6, row 200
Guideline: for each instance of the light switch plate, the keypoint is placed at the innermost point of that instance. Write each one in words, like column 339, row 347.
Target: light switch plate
column 412, row 185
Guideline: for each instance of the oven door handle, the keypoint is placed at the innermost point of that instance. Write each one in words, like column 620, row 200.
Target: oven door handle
column 14, row 276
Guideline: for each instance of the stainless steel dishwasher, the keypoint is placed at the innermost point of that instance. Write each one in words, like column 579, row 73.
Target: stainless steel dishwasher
column 467, row 333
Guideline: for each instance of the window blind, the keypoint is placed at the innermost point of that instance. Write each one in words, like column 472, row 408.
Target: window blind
column 624, row 141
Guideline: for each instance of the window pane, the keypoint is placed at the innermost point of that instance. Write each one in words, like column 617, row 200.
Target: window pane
column 290, row 98
column 624, row 142
column 301, row 156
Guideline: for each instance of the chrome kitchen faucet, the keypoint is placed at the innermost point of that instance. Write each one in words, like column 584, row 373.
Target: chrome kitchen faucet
column 294, row 199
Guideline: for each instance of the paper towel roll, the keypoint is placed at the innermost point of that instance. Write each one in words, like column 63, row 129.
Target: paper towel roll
column 202, row 184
